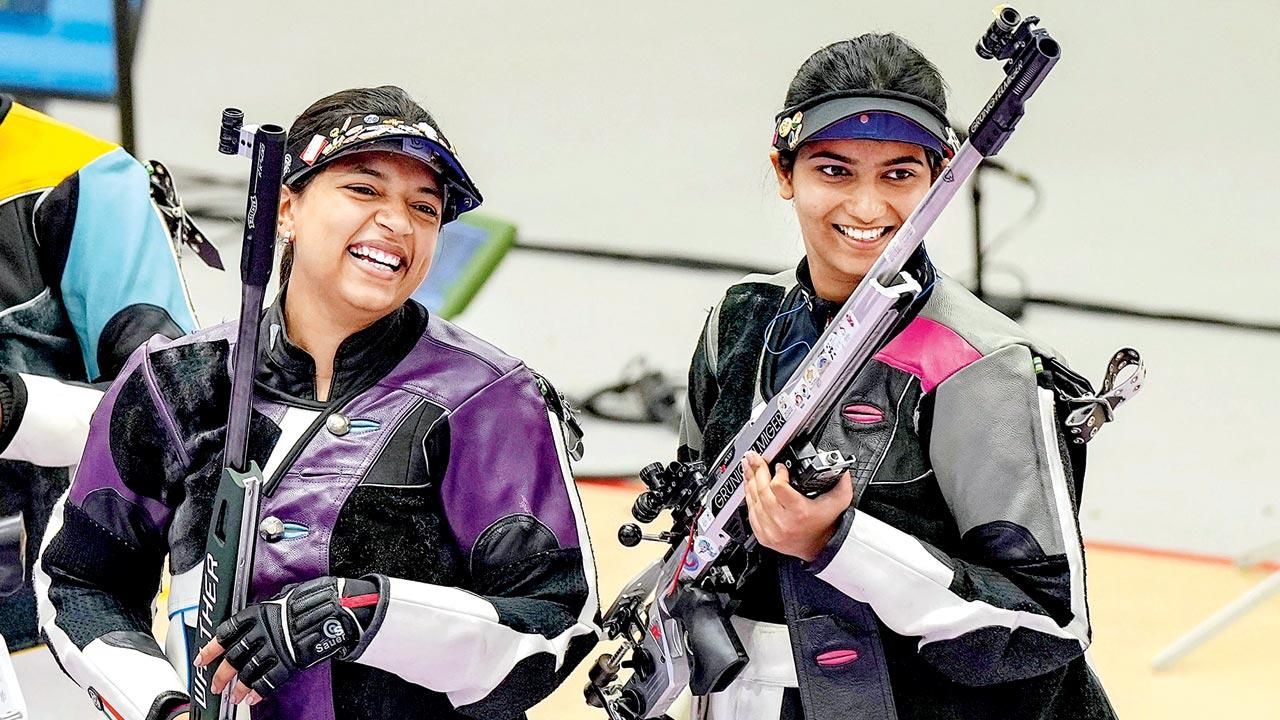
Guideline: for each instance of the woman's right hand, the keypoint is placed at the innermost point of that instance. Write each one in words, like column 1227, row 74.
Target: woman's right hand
column 785, row 520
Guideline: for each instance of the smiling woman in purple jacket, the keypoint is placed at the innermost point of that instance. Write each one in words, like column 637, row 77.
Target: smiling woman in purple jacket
column 419, row 507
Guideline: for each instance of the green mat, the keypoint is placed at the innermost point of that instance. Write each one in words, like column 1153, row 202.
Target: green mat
column 468, row 251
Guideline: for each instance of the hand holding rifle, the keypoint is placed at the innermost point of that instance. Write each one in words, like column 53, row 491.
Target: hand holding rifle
column 782, row 518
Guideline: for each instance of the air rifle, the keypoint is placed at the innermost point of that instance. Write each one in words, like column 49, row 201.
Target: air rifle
column 228, row 562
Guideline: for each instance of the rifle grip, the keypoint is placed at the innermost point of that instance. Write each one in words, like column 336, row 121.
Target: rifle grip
column 715, row 653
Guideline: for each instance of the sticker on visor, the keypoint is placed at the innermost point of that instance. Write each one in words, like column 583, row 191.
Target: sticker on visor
column 349, row 133
column 422, row 150
column 789, row 129
column 314, row 148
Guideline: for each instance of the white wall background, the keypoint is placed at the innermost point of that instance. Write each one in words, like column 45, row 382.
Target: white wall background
column 644, row 126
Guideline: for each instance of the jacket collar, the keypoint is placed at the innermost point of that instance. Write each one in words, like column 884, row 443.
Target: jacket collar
column 793, row 331
column 288, row 372
column 918, row 266
column 823, row 310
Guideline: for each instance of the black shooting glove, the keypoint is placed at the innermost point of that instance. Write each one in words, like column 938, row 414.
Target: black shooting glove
column 304, row 625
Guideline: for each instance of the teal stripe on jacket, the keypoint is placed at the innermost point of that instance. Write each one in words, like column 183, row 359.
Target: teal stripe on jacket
column 120, row 253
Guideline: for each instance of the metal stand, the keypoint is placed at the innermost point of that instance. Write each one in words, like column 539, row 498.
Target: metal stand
column 1012, row 306
column 975, row 192
column 1240, row 607
column 126, row 26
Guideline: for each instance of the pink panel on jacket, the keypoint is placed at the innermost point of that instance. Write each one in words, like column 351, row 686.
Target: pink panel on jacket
column 929, row 350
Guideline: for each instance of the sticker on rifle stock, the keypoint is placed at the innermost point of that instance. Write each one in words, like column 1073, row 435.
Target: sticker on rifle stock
column 704, row 548
column 836, row 341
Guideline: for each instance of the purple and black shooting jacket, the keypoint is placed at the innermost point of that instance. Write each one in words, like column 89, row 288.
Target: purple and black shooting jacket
column 438, row 463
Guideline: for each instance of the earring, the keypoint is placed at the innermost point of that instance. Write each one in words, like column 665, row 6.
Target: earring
column 287, row 237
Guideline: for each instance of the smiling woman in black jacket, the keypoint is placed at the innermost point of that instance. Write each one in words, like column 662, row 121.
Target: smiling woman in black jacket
column 955, row 588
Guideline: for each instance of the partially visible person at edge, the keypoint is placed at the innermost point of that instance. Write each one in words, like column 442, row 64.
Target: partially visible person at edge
column 87, row 274
column 420, row 512
column 955, row 588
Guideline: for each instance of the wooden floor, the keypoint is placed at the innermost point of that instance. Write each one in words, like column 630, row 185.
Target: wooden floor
column 1139, row 603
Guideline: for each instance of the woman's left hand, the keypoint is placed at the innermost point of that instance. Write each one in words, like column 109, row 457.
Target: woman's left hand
column 785, row 520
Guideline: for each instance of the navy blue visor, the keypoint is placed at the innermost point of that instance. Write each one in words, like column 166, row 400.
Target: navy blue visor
column 881, row 126
column 361, row 133
column 870, row 115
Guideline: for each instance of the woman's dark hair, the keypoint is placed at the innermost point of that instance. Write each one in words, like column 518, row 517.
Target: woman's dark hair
column 874, row 61
column 328, row 112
